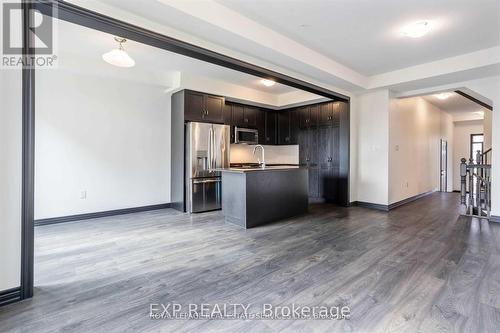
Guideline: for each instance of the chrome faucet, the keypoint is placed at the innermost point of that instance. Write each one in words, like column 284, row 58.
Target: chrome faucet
column 262, row 163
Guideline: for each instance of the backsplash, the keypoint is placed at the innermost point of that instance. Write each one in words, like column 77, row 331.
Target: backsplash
column 274, row 154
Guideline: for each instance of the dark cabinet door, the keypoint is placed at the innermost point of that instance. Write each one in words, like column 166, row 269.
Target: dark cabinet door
column 283, row 128
column 326, row 114
column 303, row 142
column 261, row 126
column 238, row 115
column 228, row 114
column 313, row 115
column 314, row 179
column 270, row 128
column 214, row 109
column 195, row 106
column 326, row 143
column 312, row 147
column 250, row 116
column 304, row 116
column 328, row 183
column 294, row 126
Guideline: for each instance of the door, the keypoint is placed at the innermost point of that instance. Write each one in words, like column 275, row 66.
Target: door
column 214, row 109
column 284, row 128
column 250, row 116
column 221, row 144
column 238, row 115
column 195, row 106
column 444, row 166
column 326, row 114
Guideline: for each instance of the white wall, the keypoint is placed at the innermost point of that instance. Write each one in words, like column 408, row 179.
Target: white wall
column 109, row 137
column 461, row 133
column 415, row 130
column 10, row 178
column 486, row 88
column 447, row 128
column 372, row 129
column 273, row 154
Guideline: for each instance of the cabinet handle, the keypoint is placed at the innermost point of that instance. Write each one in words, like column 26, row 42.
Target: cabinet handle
column 329, row 159
column 307, row 159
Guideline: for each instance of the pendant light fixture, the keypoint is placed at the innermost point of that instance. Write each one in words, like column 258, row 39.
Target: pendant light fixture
column 118, row 57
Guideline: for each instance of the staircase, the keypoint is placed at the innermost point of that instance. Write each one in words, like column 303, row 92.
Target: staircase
column 475, row 187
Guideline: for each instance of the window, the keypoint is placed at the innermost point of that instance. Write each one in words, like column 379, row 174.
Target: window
column 476, row 144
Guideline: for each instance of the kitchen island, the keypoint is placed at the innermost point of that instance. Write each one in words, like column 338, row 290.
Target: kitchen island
column 256, row 196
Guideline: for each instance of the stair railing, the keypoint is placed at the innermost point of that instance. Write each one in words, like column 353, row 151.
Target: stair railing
column 475, row 187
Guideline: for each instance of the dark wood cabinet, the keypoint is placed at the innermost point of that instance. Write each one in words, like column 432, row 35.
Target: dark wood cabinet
column 203, row 107
column 244, row 116
column 195, row 106
column 238, row 115
column 326, row 114
column 228, row 114
column 250, row 116
column 269, row 133
column 288, row 127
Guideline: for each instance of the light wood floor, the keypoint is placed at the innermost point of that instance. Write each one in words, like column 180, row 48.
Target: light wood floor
column 419, row 268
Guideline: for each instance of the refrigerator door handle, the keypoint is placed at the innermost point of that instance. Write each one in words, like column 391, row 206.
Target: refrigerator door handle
column 210, row 135
column 214, row 154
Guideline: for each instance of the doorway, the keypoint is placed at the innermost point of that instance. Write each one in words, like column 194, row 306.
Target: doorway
column 443, row 183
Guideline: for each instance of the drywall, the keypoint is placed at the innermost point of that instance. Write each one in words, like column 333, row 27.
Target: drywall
column 415, row 130
column 461, row 133
column 447, row 128
column 487, row 128
column 10, row 178
column 101, row 144
column 372, row 128
column 487, row 90
column 273, row 154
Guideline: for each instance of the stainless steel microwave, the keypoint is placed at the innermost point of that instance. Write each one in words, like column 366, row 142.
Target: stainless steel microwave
column 246, row 135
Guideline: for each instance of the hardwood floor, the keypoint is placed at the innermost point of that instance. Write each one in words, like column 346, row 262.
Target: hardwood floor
column 419, row 268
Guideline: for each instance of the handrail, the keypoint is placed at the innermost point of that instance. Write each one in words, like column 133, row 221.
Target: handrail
column 475, row 187
column 486, row 152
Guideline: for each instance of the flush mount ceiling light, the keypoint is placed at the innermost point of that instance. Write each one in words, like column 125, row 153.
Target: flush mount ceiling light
column 416, row 29
column 267, row 83
column 443, row 96
column 118, row 57
column 481, row 113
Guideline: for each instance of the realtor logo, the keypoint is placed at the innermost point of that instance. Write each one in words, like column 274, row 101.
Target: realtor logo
column 41, row 52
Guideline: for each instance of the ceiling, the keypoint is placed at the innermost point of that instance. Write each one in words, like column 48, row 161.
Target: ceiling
column 365, row 34
column 79, row 41
column 362, row 35
column 459, row 107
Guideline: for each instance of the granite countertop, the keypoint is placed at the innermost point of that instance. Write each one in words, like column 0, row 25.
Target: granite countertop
column 258, row 169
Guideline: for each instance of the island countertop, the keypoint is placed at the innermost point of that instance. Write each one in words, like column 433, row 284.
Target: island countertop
column 255, row 169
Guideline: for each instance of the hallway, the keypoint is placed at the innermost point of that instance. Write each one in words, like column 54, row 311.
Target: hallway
column 420, row 267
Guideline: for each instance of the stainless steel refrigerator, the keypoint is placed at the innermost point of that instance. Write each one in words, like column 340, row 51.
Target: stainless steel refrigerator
column 207, row 150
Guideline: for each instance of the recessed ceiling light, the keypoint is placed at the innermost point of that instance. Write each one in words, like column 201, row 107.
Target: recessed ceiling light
column 443, row 96
column 267, row 83
column 416, row 29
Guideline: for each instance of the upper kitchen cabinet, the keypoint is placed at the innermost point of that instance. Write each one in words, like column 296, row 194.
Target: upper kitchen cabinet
column 288, row 126
column 203, row 107
column 308, row 116
column 266, row 124
column 326, row 114
column 250, row 116
column 244, row 115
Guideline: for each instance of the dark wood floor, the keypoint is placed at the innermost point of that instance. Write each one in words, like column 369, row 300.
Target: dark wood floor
column 419, row 268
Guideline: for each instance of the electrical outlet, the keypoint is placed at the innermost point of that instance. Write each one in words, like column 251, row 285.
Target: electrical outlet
column 83, row 194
